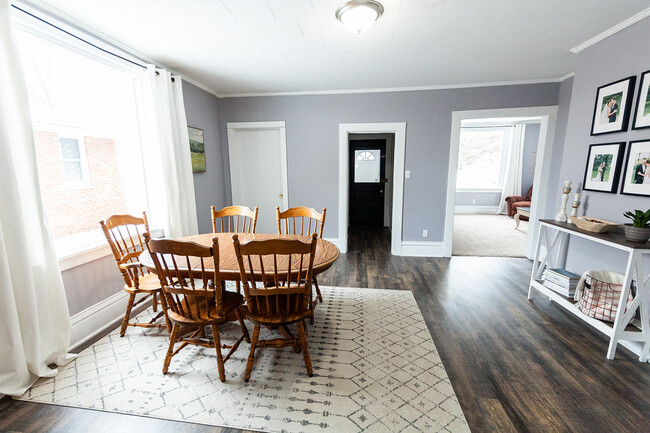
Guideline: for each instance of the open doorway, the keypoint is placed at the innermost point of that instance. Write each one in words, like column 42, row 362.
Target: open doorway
column 396, row 130
column 546, row 116
column 370, row 194
column 494, row 184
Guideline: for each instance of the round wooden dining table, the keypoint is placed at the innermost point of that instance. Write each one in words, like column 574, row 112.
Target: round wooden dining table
column 326, row 252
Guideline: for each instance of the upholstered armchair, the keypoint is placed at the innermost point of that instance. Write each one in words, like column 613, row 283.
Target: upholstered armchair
column 515, row 201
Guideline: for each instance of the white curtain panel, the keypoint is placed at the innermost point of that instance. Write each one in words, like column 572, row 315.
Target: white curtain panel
column 34, row 317
column 166, row 153
column 514, row 163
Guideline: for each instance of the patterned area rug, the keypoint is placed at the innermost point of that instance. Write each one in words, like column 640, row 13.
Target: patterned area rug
column 375, row 369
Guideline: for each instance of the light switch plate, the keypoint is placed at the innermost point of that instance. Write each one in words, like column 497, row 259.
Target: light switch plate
column 407, row 174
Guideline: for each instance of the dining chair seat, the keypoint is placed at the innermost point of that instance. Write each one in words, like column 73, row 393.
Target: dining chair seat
column 148, row 283
column 207, row 315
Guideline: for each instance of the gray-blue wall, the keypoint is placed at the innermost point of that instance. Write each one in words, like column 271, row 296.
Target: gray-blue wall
column 626, row 53
column 202, row 111
column 312, row 125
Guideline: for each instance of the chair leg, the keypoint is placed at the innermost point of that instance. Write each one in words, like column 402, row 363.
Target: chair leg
column 243, row 326
column 238, row 285
column 127, row 315
column 163, row 303
column 217, row 346
column 305, row 349
column 251, row 355
column 170, row 351
column 154, row 302
column 318, row 295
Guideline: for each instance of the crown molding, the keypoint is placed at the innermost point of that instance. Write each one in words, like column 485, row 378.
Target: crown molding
column 609, row 32
column 392, row 89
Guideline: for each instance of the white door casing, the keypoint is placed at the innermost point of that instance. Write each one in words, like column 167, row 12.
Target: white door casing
column 258, row 169
column 548, row 115
column 397, row 128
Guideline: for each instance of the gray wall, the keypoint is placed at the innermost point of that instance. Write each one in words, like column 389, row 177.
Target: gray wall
column 312, row 124
column 563, row 106
column 202, row 111
column 531, row 139
column 627, row 53
column 464, row 198
column 91, row 283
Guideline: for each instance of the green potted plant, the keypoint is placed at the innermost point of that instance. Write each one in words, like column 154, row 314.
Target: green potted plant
column 639, row 230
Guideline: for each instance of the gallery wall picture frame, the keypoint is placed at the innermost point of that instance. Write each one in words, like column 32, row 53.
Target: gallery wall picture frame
column 642, row 111
column 636, row 175
column 197, row 149
column 612, row 107
column 603, row 168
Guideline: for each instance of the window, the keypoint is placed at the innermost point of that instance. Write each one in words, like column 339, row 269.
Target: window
column 367, row 166
column 84, row 112
column 71, row 157
column 481, row 157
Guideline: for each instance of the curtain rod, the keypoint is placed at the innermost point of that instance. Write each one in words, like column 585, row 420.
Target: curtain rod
column 81, row 39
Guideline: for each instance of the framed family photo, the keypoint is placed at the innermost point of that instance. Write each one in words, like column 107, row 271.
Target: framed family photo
column 642, row 112
column 612, row 108
column 603, row 167
column 636, row 177
column 197, row 149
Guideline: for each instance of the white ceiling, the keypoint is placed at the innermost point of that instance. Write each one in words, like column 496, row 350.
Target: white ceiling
column 257, row 46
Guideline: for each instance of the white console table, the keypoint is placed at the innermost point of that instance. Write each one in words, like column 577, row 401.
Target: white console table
column 620, row 331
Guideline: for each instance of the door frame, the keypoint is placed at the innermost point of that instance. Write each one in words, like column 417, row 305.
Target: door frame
column 233, row 129
column 548, row 115
column 399, row 150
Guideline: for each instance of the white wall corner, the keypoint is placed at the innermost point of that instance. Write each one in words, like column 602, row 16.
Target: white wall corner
column 422, row 249
column 342, row 246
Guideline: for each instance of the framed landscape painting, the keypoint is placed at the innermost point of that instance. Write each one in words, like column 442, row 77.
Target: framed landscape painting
column 642, row 112
column 612, row 108
column 603, row 167
column 636, row 178
column 197, row 149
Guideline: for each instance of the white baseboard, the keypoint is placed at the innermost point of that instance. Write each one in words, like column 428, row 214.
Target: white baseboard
column 91, row 321
column 422, row 249
column 476, row 209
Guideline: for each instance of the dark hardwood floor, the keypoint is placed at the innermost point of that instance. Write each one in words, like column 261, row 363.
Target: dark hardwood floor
column 515, row 365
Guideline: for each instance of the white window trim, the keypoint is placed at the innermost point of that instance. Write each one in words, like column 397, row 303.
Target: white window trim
column 78, row 135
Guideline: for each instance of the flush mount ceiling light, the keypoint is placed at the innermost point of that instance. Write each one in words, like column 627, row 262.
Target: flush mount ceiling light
column 359, row 15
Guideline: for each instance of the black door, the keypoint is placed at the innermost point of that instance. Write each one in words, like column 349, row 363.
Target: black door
column 367, row 181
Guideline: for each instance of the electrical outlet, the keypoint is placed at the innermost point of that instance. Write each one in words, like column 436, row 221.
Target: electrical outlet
column 425, row 233
column 473, row 201
column 407, row 174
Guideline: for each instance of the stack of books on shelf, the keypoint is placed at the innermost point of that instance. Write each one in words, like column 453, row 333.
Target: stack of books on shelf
column 561, row 281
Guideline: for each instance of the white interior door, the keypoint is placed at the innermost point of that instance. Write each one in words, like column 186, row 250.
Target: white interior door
column 258, row 169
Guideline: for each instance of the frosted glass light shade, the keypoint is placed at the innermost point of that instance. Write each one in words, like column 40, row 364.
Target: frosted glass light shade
column 359, row 15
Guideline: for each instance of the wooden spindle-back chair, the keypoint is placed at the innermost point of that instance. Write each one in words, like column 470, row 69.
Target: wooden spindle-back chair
column 300, row 220
column 194, row 296
column 234, row 219
column 276, row 277
column 125, row 236
column 304, row 221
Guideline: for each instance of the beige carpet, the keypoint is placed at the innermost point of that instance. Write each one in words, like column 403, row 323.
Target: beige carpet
column 488, row 236
column 376, row 369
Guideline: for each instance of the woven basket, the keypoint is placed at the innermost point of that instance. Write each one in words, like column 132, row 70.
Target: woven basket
column 594, row 225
